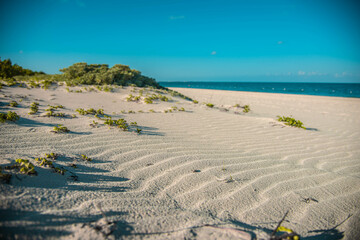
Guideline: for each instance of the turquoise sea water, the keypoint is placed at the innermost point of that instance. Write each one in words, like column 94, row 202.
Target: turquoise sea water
column 318, row 89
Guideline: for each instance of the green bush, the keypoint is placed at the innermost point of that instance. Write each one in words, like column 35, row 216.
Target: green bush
column 60, row 129
column 210, row 105
column 101, row 74
column 34, row 108
column 9, row 116
column 25, row 166
column 290, row 121
column 8, row 70
column 13, row 104
column 246, row 109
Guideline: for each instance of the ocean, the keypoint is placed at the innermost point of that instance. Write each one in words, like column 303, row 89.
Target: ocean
column 317, row 89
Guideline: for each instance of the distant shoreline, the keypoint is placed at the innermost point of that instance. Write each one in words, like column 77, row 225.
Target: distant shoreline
column 348, row 90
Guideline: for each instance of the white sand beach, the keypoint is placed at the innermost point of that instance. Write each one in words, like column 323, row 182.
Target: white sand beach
column 202, row 173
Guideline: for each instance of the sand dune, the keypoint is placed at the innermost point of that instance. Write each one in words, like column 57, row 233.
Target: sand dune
column 202, row 173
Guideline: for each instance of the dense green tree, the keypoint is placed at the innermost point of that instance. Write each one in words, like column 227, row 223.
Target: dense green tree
column 83, row 73
column 8, row 70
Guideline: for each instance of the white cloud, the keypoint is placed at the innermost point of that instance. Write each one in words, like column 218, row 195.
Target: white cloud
column 176, row 17
column 213, row 53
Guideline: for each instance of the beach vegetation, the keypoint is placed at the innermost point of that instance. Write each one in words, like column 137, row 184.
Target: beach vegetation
column 138, row 130
column 9, row 116
column 44, row 162
column 52, row 155
column 34, row 108
column 152, row 110
column 9, row 70
column 195, row 101
column 210, row 105
column 60, row 129
column 246, row 108
column 290, row 121
column 94, row 124
column 25, row 166
column 85, row 158
column 101, row 74
column 13, row 104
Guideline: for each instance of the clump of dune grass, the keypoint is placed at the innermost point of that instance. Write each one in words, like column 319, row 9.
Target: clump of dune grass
column 9, row 116
column 50, row 112
column 85, row 158
column 290, row 121
column 13, row 104
column 210, row 105
column 246, row 109
column 34, row 108
column 25, row 166
column 60, row 129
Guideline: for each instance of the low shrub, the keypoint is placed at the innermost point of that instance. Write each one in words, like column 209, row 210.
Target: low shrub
column 13, row 104
column 34, row 108
column 60, row 129
column 246, row 109
column 290, row 121
column 9, row 116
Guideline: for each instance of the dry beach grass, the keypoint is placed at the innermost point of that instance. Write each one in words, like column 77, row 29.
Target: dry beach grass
column 193, row 171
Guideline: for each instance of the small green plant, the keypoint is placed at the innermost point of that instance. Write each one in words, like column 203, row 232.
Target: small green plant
column 34, row 108
column 13, row 104
column 74, row 116
column 9, row 116
column 182, row 109
column 210, row 105
column 148, row 100
column 152, row 110
column 60, row 129
column 52, row 155
column 94, row 124
column 246, row 109
column 290, row 121
column 44, row 162
column 138, row 130
column 133, row 124
column 25, row 166
column 86, row 158
column 236, row 105
column 131, row 111
column 122, row 124
column 195, row 101
column 109, row 122
column 81, row 111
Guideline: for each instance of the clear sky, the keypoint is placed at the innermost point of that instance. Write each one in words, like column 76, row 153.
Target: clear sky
column 189, row 40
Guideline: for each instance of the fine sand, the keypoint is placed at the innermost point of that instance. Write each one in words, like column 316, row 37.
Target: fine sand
column 202, row 173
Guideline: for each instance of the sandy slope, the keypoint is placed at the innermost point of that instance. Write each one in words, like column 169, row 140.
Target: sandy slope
column 250, row 169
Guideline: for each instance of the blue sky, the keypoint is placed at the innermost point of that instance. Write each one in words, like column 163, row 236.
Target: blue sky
column 183, row 40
